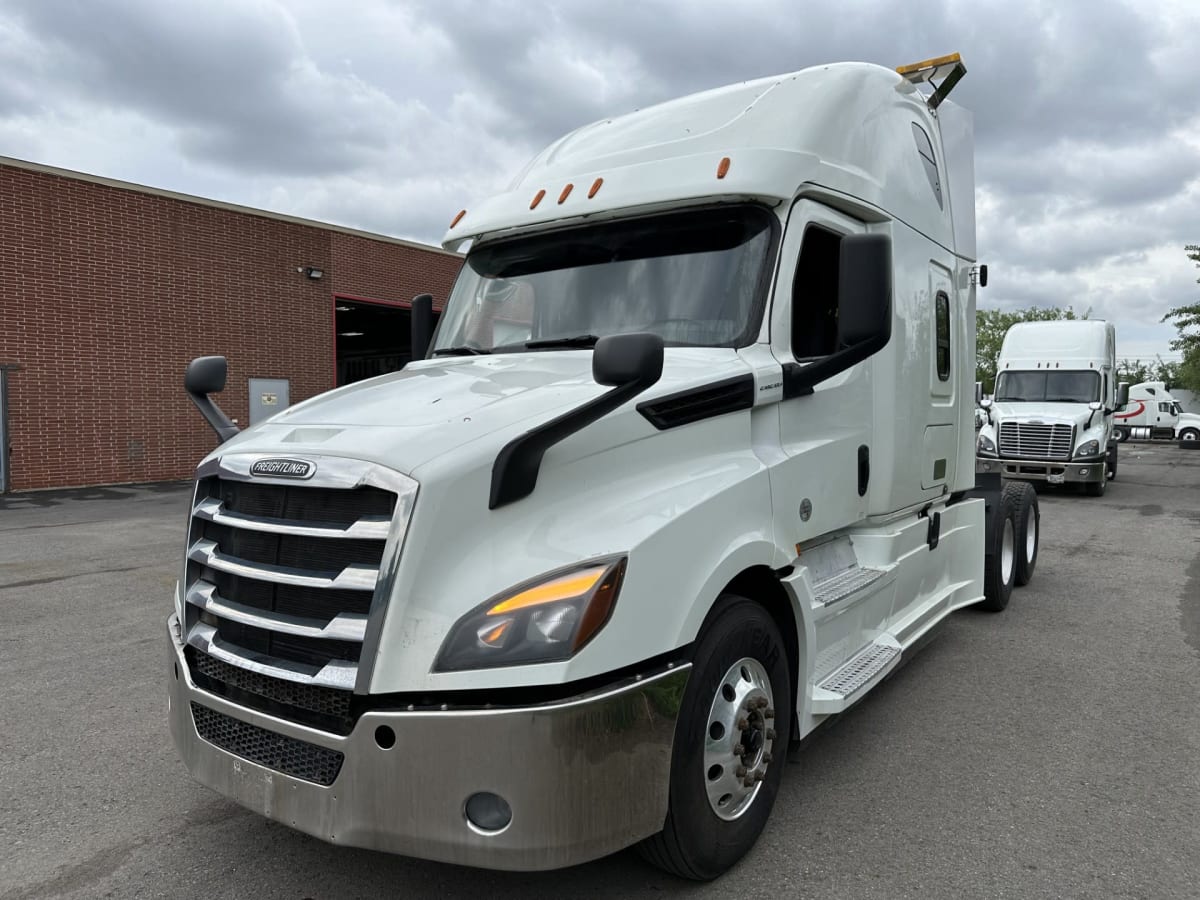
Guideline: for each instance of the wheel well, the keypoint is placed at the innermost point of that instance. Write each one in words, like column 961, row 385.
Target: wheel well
column 761, row 585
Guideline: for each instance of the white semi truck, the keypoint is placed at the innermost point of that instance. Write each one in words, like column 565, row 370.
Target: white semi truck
column 1153, row 414
column 1050, row 418
column 687, row 470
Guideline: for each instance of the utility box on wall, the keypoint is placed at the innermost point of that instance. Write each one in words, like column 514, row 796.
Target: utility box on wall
column 267, row 397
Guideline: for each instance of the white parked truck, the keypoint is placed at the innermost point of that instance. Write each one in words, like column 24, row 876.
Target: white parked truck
column 1153, row 414
column 1050, row 418
column 687, row 470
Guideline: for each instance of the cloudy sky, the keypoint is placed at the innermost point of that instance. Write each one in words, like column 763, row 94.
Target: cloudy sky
column 390, row 115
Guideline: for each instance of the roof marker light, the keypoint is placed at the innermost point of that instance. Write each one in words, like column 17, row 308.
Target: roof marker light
column 566, row 192
column 723, row 168
column 595, row 187
column 458, row 218
column 537, row 198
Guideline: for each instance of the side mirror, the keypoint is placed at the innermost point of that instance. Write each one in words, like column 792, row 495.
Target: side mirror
column 865, row 291
column 985, row 403
column 978, row 393
column 206, row 375
column 621, row 359
column 422, row 324
column 1095, row 406
column 1122, row 394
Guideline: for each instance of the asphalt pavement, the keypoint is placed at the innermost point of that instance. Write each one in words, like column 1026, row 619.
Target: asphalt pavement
column 1052, row 750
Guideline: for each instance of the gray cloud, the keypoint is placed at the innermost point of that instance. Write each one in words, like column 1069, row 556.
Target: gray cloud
column 393, row 115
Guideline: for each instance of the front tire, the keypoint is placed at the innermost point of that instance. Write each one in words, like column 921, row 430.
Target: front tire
column 1189, row 434
column 738, row 698
column 1120, row 434
column 1096, row 488
column 1111, row 472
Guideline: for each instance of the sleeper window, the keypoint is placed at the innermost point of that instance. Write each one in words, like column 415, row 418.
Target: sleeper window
column 943, row 336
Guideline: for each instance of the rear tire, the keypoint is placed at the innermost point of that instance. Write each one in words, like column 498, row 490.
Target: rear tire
column 1021, row 496
column 999, row 565
column 1120, row 434
column 713, row 818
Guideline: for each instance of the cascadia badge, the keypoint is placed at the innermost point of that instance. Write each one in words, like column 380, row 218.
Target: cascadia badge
column 283, row 468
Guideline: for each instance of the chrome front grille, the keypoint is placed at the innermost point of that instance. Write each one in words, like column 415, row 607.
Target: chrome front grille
column 1023, row 440
column 282, row 578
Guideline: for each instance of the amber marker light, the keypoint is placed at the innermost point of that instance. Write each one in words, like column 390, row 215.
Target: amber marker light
column 458, row 218
column 537, row 198
column 595, row 188
column 723, row 167
column 566, row 192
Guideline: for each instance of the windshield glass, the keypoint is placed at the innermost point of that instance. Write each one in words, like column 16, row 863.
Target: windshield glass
column 1049, row 386
column 696, row 278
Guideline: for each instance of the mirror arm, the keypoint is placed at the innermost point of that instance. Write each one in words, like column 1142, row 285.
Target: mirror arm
column 212, row 413
column 800, row 381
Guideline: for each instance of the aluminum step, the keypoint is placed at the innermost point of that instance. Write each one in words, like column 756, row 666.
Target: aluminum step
column 837, row 691
column 844, row 584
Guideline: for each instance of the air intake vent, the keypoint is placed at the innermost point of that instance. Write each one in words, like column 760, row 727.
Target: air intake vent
column 299, row 759
column 689, row 406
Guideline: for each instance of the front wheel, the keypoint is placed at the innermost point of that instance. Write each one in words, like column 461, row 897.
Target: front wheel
column 1095, row 488
column 1111, row 467
column 1120, row 434
column 730, row 742
column 1190, row 434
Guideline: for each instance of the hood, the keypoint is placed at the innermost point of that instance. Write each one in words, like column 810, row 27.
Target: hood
column 432, row 407
column 1044, row 413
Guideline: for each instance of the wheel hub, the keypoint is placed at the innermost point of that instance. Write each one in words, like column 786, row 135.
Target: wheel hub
column 738, row 744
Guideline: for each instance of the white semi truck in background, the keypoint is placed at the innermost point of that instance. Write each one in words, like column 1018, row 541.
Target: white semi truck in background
column 1153, row 414
column 1050, row 418
column 687, row 471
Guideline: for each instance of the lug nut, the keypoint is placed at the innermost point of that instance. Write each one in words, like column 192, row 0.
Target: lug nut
column 768, row 713
column 739, row 750
column 743, row 723
column 767, row 757
column 740, row 772
column 762, row 702
column 748, row 781
column 770, row 734
column 759, row 775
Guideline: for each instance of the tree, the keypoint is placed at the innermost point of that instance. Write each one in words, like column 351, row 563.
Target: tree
column 992, row 324
column 1187, row 321
column 1135, row 371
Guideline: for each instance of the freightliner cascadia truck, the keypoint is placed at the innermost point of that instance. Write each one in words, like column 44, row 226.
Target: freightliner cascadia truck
column 687, row 469
column 1051, row 415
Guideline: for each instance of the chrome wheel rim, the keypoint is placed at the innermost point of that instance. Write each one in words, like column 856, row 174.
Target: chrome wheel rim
column 1007, row 550
column 1031, row 535
column 1190, row 435
column 739, row 739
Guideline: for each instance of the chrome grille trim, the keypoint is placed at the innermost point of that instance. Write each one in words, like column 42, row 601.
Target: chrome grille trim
column 293, row 558
column 342, row 627
column 1026, row 440
column 335, row 673
column 213, row 510
column 355, row 578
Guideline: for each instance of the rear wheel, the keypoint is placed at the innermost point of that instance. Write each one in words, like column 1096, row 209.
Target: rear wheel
column 1000, row 563
column 730, row 744
column 1120, row 434
column 1023, row 499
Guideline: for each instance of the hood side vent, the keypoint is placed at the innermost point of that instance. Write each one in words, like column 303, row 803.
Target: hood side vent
column 696, row 404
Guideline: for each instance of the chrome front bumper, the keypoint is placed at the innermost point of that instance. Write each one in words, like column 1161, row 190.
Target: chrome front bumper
column 584, row 777
column 1079, row 471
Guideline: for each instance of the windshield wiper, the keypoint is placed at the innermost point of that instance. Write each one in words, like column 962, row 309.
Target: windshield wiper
column 579, row 340
column 461, row 351
column 1064, row 400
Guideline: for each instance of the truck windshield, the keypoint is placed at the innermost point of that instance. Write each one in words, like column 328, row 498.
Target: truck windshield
column 1048, row 386
column 697, row 278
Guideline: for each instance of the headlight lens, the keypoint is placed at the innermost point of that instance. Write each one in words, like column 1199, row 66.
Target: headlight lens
column 985, row 445
column 545, row 620
column 1091, row 448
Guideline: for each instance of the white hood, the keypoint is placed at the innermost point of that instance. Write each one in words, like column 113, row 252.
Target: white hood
column 1045, row 413
column 433, row 407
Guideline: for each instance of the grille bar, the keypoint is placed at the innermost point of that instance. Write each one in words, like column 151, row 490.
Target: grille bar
column 337, row 673
column 1025, row 440
column 353, row 577
column 342, row 627
column 293, row 757
column 211, row 509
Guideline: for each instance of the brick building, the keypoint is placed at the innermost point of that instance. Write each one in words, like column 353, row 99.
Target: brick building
column 108, row 289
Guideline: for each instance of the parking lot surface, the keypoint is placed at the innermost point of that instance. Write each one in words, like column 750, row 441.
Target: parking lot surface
column 1052, row 750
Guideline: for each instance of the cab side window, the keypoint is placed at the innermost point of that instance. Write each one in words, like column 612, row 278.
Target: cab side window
column 942, row 335
column 815, row 294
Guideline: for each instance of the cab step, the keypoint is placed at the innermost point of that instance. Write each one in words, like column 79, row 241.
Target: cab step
column 845, row 584
column 839, row 689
